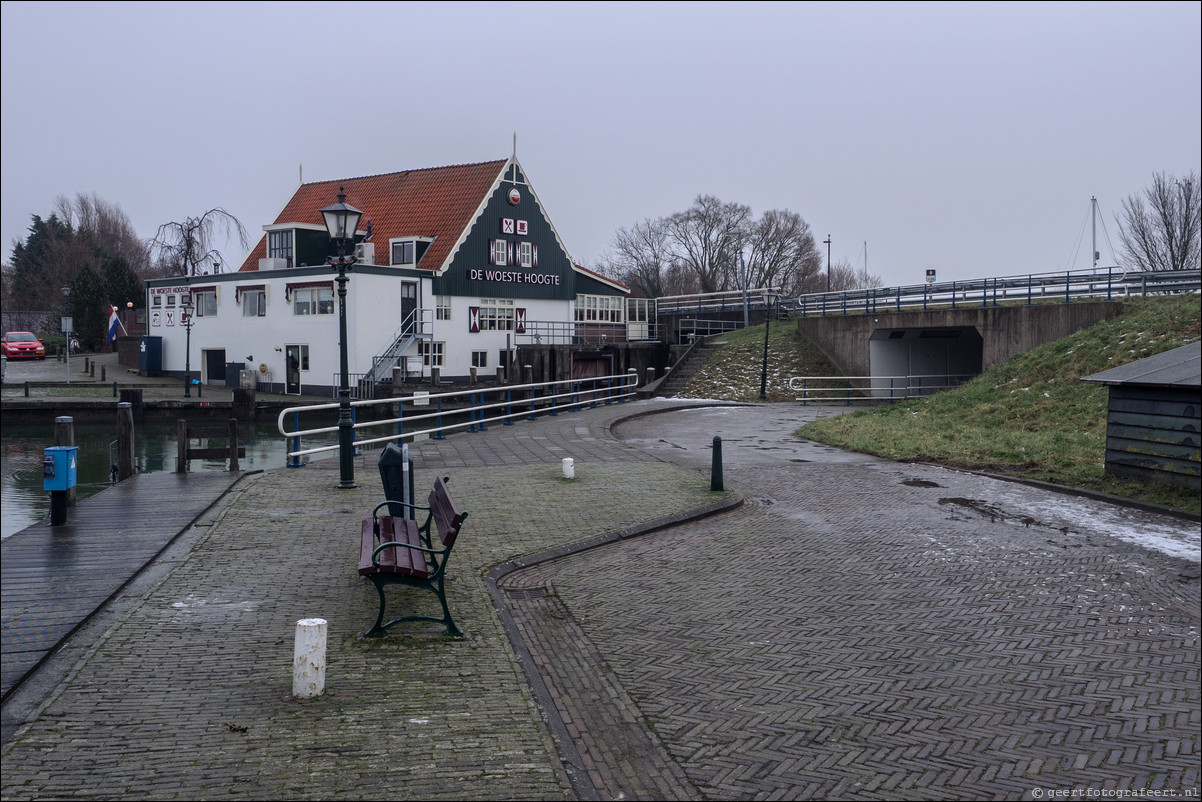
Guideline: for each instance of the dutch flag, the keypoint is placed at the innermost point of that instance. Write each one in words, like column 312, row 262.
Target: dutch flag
column 114, row 324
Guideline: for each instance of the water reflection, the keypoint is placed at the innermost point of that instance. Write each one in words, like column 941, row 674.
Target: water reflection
column 24, row 502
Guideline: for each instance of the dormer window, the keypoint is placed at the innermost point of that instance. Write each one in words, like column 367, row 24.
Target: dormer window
column 407, row 251
column 403, row 252
column 279, row 246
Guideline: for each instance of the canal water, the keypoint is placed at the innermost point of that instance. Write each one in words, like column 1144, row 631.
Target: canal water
column 23, row 502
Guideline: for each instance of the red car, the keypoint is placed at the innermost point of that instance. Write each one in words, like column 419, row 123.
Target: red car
column 23, row 345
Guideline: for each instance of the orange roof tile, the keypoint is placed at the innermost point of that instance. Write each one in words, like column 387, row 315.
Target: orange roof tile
column 434, row 202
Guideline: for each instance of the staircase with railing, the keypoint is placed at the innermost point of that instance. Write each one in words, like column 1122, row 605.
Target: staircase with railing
column 417, row 325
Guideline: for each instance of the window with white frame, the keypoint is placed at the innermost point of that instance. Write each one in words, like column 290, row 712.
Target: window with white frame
column 599, row 308
column 205, row 303
column 313, row 301
column 403, row 252
column 499, row 254
column 442, row 307
column 479, row 359
column 156, row 301
column 170, row 300
column 497, row 314
column 302, row 353
column 526, row 254
column 279, row 246
column 431, row 353
column 254, row 303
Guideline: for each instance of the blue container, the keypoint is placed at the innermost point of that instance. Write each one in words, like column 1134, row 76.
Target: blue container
column 60, row 463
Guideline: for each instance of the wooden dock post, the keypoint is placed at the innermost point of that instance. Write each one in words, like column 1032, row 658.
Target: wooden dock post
column 125, row 441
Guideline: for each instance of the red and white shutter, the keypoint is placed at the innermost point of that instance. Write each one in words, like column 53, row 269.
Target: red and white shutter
column 520, row 320
column 473, row 319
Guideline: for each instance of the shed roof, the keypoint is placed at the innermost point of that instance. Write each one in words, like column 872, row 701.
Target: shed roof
column 1181, row 367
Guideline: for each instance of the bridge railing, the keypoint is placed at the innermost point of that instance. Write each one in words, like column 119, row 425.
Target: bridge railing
column 849, row 389
column 470, row 410
column 1064, row 286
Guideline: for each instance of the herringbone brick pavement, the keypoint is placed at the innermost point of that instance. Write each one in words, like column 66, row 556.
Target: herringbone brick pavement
column 864, row 629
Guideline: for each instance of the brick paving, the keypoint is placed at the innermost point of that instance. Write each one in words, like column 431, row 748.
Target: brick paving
column 841, row 634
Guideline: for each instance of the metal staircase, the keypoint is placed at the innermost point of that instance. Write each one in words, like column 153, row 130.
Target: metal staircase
column 418, row 325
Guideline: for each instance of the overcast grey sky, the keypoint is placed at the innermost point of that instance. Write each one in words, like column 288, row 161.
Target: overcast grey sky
column 964, row 137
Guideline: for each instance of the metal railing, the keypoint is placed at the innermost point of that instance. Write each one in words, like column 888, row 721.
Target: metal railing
column 579, row 332
column 873, row 388
column 1064, row 286
column 722, row 301
column 470, row 410
column 689, row 329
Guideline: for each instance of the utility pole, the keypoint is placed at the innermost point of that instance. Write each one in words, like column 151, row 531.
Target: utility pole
column 828, row 262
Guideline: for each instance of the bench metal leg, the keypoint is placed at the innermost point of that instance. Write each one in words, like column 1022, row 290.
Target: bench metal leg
column 379, row 629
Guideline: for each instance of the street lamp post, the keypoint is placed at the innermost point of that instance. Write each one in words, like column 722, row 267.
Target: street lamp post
column 772, row 301
column 828, row 262
column 186, row 319
column 341, row 221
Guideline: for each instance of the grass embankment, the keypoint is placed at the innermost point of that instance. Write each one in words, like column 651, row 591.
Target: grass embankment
column 1030, row 417
column 733, row 373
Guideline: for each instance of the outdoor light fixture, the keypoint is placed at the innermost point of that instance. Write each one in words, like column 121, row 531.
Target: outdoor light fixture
column 341, row 222
column 186, row 319
column 772, row 301
column 827, row 242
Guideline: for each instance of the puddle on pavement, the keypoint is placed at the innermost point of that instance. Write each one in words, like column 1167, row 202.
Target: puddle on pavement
column 920, row 483
column 989, row 511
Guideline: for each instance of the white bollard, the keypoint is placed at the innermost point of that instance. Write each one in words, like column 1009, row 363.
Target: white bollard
column 309, row 658
column 569, row 468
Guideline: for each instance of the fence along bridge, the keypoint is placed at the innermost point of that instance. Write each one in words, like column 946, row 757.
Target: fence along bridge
column 894, row 342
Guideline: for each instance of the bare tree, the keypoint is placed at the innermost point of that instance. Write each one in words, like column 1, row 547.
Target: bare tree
column 640, row 257
column 782, row 253
column 707, row 238
column 844, row 277
column 1165, row 234
column 107, row 228
column 183, row 248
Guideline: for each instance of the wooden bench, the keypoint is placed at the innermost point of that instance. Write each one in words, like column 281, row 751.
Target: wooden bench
column 394, row 550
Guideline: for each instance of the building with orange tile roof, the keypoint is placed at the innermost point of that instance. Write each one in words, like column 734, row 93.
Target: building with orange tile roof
column 455, row 267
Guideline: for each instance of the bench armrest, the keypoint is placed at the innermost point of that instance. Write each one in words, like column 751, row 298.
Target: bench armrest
column 375, row 511
column 375, row 553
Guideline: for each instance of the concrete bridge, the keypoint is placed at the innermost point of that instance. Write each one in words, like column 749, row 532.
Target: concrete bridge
column 946, row 342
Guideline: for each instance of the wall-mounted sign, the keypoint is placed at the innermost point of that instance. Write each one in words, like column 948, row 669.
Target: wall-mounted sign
column 507, row 225
column 931, row 276
column 523, row 228
column 515, row 197
column 514, row 277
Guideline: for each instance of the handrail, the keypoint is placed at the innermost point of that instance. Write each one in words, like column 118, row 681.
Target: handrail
column 982, row 292
column 544, row 398
column 891, row 388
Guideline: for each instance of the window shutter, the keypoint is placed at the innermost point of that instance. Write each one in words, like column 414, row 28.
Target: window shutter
column 473, row 319
column 520, row 320
column 535, row 249
column 509, row 248
column 492, row 252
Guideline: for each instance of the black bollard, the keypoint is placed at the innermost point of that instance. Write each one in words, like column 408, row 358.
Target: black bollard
column 716, row 469
column 58, row 507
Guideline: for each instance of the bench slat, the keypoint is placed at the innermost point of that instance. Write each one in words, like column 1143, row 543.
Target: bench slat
column 446, row 517
column 396, row 559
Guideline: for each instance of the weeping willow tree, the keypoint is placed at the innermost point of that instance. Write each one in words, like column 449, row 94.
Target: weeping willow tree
column 186, row 248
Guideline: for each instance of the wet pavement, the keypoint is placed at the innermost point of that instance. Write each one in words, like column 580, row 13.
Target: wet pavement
column 853, row 628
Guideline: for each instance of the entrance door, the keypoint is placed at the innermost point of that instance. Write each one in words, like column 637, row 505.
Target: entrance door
column 408, row 307
column 214, row 365
column 292, row 383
